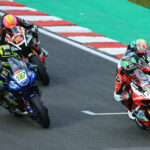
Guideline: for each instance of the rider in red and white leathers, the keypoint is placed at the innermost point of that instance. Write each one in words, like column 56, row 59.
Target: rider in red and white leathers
column 123, row 78
column 138, row 50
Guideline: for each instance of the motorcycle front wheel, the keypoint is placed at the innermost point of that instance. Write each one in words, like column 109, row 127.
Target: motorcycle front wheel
column 40, row 112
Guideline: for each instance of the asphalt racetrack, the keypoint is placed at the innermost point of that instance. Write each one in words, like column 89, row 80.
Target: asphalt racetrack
column 79, row 81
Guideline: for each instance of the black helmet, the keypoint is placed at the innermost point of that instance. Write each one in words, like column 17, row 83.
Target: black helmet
column 5, row 53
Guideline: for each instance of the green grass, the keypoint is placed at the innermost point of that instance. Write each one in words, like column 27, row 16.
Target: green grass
column 144, row 3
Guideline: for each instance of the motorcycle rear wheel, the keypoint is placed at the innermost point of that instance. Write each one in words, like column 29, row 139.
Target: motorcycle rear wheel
column 43, row 75
column 40, row 112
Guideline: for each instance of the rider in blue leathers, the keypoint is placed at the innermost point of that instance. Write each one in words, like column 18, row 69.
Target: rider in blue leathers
column 5, row 53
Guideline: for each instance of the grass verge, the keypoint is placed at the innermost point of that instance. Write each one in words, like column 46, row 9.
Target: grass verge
column 144, row 3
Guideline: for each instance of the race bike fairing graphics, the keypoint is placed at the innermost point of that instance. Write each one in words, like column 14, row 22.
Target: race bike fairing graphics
column 18, row 36
column 140, row 89
column 25, row 45
column 21, row 96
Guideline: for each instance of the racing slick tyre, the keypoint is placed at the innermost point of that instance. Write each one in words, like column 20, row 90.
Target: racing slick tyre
column 41, row 70
column 40, row 112
column 140, row 125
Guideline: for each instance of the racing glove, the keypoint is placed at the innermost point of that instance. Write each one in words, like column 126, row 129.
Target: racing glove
column 127, row 100
column 33, row 67
column 126, row 96
column 117, row 97
column 34, row 29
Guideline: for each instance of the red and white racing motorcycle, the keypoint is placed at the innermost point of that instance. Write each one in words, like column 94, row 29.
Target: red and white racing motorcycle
column 140, row 89
column 23, row 43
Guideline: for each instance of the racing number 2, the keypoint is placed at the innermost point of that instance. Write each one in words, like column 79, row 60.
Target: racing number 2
column 20, row 76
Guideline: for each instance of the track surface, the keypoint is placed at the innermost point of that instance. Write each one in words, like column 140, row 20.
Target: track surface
column 79, row 81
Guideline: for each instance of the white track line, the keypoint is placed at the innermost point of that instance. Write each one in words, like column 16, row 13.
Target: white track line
column 39, row 18
column 15, row 8
column 79, row 46
column 87, row 39
column 102, row 114
column 67, row 29
column 113, row 51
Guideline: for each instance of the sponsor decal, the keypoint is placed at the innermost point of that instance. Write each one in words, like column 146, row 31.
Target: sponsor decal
column 4, row 73
column 138, row 98
column 118, row 79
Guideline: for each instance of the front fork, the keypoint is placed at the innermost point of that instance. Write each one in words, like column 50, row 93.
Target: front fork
column 38, row 48
column 27, row 104
column 140, row 113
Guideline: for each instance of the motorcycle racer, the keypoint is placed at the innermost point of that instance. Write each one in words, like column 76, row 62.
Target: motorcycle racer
column 5, row 53
column 138, row 49
column 9, row 21
column 125, row 74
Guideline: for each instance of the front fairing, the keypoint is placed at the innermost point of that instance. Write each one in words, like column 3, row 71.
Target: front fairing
column 12, row 85
column 141, row 80
column 16, row 37
column 20, row 75
column 140, row 87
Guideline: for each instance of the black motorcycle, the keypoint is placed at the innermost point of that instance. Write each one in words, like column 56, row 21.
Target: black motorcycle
column 24, row 43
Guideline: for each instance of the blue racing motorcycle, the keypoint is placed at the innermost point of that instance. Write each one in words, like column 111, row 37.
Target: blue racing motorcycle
column 22, row 95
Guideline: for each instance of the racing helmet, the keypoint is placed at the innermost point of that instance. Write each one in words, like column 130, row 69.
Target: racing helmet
column 5, row 53
column 141, row 46
column 132, row 46
column 9, row 21
column 130, row 66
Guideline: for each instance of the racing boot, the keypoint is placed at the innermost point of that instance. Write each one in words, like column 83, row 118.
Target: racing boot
column 127, row 102
column 131, row 114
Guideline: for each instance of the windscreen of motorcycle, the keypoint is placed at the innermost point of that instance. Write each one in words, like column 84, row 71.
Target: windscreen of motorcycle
column 142, row 80
column 17, row 35
column 18, row 71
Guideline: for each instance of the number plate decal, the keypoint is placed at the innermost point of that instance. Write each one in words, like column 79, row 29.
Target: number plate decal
column 18, row 39
column 20, row 76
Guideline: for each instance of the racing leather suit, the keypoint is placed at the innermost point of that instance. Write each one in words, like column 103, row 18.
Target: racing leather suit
column 122, row 85
column 4, row 71
column 24, row 24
